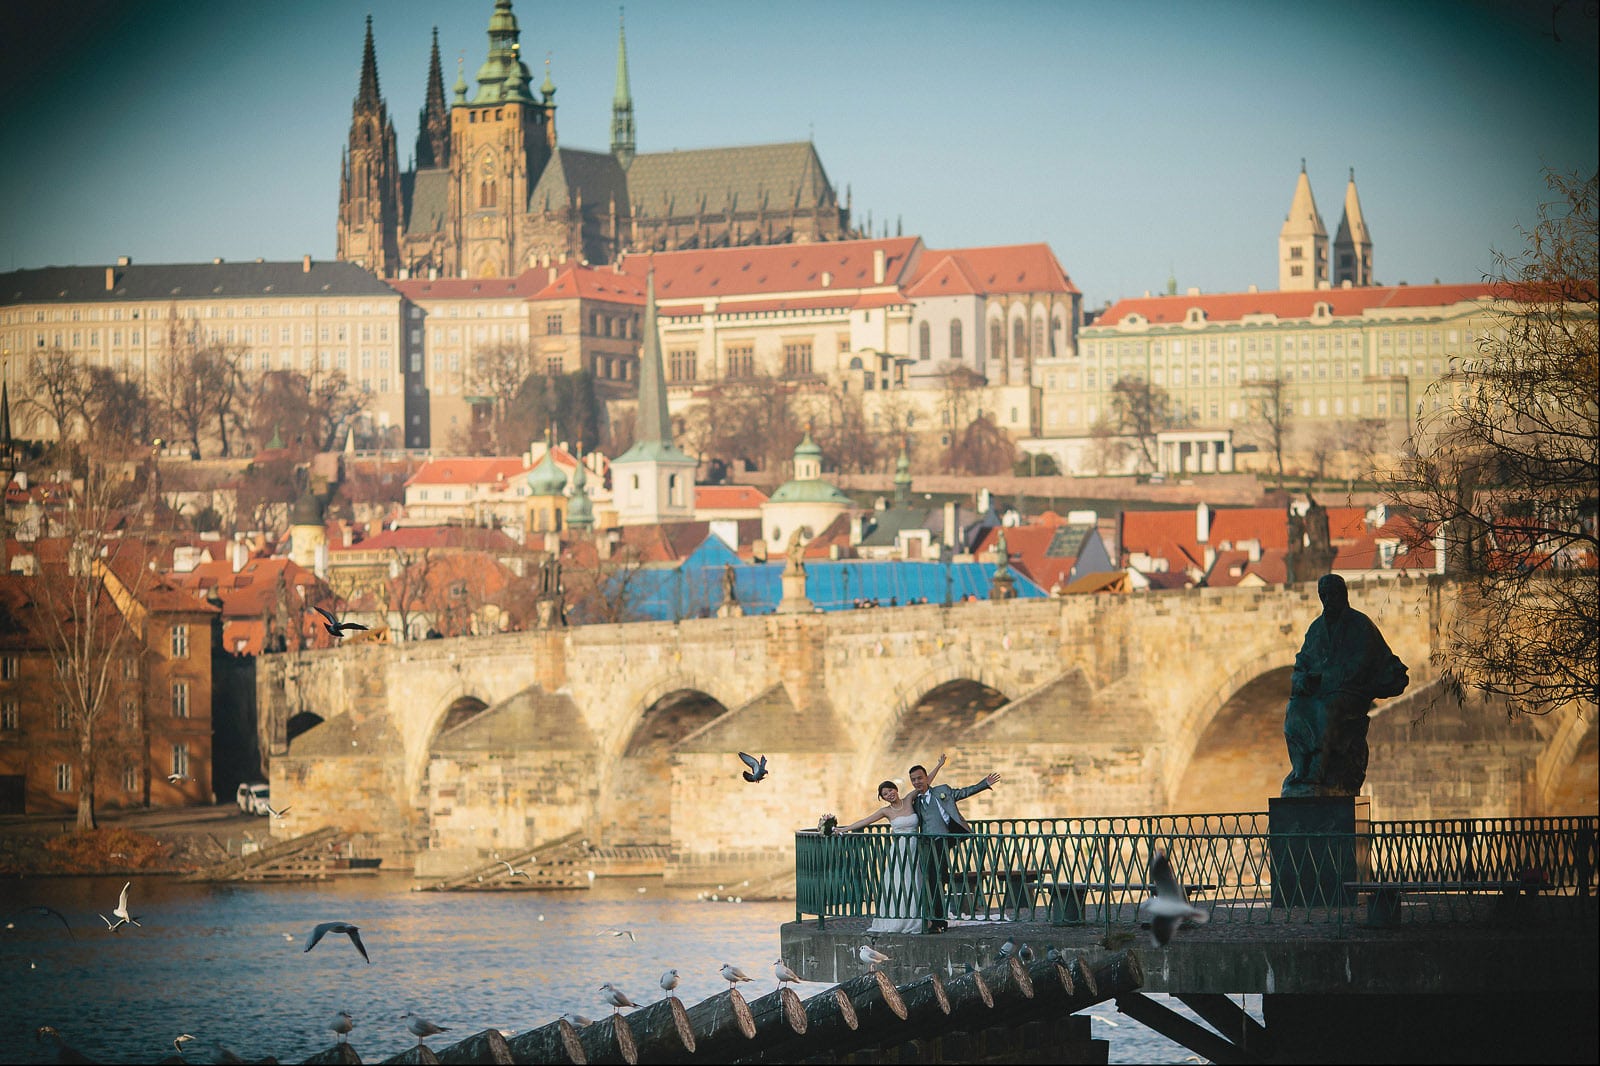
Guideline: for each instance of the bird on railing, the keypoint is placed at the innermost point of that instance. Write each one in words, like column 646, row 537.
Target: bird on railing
column 1025, row 953
column 576, row 1020
column 1008, row 949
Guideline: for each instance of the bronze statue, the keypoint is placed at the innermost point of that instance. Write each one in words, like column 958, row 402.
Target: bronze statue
column 1343, row 665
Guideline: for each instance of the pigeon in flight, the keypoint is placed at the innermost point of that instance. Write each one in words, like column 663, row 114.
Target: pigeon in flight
column 1169, row 904
column 353, row 931
column 616, row 997
column 872, row 956
column 334, row 626
column 121, row 912
column 783, row 973
column 43, row 912
column 342, row 1023
column 732, row 974
column 758, row 767
column 669, row 980
column 422, row 1028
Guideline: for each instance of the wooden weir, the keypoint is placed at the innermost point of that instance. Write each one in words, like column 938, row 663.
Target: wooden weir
column 863, row 1016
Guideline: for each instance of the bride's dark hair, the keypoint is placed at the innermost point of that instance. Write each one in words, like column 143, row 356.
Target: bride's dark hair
column 886, row 784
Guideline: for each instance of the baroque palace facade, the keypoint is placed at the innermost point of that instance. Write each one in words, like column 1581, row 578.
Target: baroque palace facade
column 493, row 191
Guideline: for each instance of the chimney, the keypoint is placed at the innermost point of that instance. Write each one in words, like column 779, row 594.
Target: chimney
column 1252, row 288
column 241, row 555
column 827, row 279
column 124, row 260
column 111, row 278
column 952, row 535
column 879, row 266
column 1202, row 523
column 319, row 564
column 551, row 271
column 305, row 264
column 216, row 261
column 346, row 533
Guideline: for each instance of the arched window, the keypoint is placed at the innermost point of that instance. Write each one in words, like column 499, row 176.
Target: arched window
column 1055, row 335
column 924, row 342
column 1038, row 335
column 1019, row 339
column 997, row 339
column 955, row 338
column 486, row 195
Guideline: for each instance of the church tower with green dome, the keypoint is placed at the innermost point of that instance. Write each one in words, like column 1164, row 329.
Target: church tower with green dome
column 805, row 502
column 547, row 500
column 652, row 482
column 580, row 509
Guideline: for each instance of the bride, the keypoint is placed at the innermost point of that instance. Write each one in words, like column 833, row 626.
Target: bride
column 901, row 887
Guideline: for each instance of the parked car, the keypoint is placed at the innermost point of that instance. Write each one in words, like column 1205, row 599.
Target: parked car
column 253, row 798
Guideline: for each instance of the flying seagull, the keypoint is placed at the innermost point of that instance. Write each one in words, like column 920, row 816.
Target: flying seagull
column 334, row 626
column 275, row 812
column 343, row 1022
column 618, row 933
column 1169, row 904
column 353, row 931
column 872, row 956
column 421, row 1028
column 514, row 871
column 783, row 973
column 180, row 1040
column 732, row 974
column 43, row 912
column 616, row 997
column 758, row 767
column 669, row 980
column 121, row 912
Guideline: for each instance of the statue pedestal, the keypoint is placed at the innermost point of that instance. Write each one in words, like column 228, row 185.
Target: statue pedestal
column 794, row 593
column 1315, row 844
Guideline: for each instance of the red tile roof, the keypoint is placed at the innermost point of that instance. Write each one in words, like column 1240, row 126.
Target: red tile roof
column 997, row 269
column 520, row 287
column 763, row 269
column 1232, row 306
column 727, row 497
column 1028, row 546
column 472, row 471
column 591, row 283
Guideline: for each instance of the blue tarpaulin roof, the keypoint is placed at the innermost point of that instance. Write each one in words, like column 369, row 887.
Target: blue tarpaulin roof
column 693, row 589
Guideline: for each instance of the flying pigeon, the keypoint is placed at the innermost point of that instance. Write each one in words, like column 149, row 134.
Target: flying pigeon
column 121, row 912
column 422, row 1028
column 353, row 931
column 334, row 626
column 758, row 767
column 1169, row 904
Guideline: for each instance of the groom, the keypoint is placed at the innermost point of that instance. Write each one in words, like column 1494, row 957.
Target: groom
column 939, row 819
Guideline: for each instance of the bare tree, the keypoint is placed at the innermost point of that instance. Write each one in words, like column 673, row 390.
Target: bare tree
column 980, row 448
column 1141, row 410
column 406, row 590
column 960, row 389
column 845, row 436
column 118, row 410
column 1271, row 419
column 1506, row 472
column 57, row 385
column 497, row 373
column 1111, row 450
column 607, row 592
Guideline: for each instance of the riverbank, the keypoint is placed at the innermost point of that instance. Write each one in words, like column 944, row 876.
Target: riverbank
column 165, row 841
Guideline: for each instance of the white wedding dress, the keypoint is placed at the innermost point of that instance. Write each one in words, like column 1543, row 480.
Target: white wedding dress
column 897, row 899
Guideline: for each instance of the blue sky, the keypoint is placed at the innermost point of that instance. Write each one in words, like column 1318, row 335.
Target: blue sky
column 1137, row 139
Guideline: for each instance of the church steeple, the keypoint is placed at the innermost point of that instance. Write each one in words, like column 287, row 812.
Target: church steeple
column 1302, row 242
column 653, row 425
column 653, row 481
column 433, row 122
column 622, row 104
column 369, row 180
column 1352, row 244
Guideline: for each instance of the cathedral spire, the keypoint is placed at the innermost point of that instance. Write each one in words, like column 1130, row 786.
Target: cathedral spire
column 368, row 96
column 654, row 427
column 622, row 145
column 1302, row 241
column 433, row 123
column 1352, row 244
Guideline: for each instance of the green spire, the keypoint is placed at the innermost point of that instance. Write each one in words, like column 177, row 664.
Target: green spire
column 546, row 479
column 622, row 144
column 548, row 89
column 503, row 78
column 580, row 511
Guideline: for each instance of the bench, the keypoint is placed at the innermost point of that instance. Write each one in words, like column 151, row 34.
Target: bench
column 1013, row 885
column 1068, row 898
column 1383, row 906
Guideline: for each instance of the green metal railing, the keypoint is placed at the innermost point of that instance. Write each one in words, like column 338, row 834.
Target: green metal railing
column 1088, row 871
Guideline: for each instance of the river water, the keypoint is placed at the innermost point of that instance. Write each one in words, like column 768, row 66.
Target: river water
column 212, row 960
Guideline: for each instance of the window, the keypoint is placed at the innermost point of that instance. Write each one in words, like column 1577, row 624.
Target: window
column 180, row 759
column 741, row 360
column 130, row 710
column 555, row 365
column 924, row 341
column 180, row 699
column 1038, row 335
column 180, row 642
column 63, row 715
column 130, row 778
column 797, row 358
column 681, row 364
column 8, row 668
column 1019, row 340
column 10, row 715
column 63, row 777
column 997, row 340
column 955, row 338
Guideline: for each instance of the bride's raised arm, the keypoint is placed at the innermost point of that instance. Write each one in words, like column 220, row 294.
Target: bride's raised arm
column 881, row 812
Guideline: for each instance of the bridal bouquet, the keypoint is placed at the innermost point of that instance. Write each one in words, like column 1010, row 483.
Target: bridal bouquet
column 826, row 825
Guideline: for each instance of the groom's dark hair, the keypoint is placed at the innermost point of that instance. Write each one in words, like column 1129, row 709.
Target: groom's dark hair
column 917, row 767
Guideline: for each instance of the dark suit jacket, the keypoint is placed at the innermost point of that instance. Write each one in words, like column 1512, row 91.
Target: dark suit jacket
column 927, row 808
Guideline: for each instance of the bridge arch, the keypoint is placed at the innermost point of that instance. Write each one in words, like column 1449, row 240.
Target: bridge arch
column 1239, row 759
column 458, row 705
column 955, row 694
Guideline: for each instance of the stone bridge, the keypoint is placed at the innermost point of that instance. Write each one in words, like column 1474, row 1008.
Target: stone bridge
column 444, row 751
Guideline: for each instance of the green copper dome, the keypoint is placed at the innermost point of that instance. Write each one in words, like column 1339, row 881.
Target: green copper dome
column 307, row 511
column 546, row 479
column 810, row 492
column 580, row 509
column 808, row 448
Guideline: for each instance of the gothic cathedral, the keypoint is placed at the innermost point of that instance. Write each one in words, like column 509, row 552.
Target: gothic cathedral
column 492, row 192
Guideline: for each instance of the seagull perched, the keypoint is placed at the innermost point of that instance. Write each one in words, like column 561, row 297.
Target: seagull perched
column 43, row 912
column 758, row 767
column 121, row 912
column 354, row 932
column 616, row 997
column 732, row 974
column 872, row 956
column 514, row 871
column 669, row 980
column 342, row 1024
column 577, row 1020
column 334, row 626
column 618, row 933
column 422, row 1028
column 783, row 973
column 1169, row 904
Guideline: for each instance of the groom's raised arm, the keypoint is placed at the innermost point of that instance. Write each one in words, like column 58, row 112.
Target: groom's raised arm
column 972, row 790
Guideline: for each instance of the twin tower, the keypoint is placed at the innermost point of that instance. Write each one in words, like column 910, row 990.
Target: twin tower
column 1303, row 243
